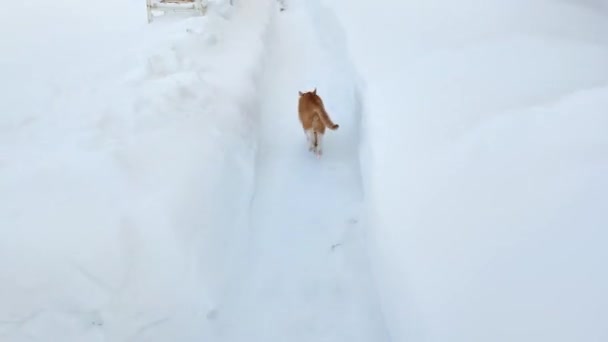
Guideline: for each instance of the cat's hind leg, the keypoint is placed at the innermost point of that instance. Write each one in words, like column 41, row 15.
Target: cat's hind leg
column 319, row 144
column 310, row 138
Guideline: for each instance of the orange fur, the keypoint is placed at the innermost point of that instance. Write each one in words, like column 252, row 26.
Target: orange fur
column 314, row 119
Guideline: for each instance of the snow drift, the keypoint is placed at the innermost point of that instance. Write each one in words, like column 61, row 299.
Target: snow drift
column 127, row 157
column 126, row 168
column 485, row 157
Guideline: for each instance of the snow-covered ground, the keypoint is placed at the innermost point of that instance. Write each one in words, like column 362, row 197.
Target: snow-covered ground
column 126, row 168
column 307, row 278
column 155, row 183
column 485, row 159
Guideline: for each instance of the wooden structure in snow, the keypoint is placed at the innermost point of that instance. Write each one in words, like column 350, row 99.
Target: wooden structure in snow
column 195, row 6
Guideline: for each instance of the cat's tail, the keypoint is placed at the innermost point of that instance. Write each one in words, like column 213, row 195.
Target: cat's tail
column 326, row 120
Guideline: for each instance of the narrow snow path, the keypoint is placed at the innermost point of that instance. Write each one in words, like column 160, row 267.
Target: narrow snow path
column 307, row 278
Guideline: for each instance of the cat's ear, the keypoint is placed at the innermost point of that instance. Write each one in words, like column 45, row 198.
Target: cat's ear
column 315, row 91
column 301, row 93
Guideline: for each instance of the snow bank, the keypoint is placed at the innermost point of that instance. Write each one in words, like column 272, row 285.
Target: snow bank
column 485, row 156
column 126, row 168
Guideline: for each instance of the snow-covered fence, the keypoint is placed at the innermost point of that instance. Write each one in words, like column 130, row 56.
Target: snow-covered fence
column 196, row 6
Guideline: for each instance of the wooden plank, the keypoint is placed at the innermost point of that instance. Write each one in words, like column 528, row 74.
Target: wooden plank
column 177, row 1
column 175, row 6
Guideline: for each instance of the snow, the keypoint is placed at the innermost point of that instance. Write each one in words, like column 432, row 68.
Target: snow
column 117, row 150
column 484, row 160
column 155, row 183
column 307, row 277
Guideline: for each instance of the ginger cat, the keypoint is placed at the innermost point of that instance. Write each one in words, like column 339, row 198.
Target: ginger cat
column 314, row 119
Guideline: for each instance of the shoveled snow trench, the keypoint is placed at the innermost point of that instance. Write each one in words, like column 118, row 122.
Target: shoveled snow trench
column 306, row 278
